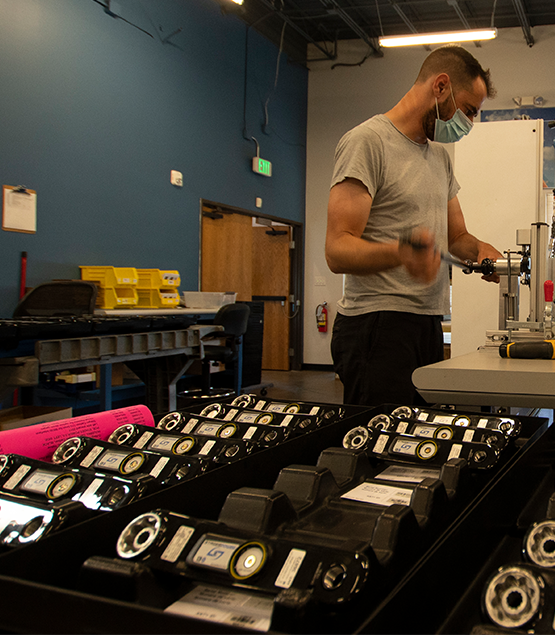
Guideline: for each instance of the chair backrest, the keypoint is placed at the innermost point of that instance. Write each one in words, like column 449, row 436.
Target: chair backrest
column 234, row 318
column 58, row 298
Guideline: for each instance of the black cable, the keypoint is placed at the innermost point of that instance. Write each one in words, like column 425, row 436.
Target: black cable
column 245, row 133
column 107, row 10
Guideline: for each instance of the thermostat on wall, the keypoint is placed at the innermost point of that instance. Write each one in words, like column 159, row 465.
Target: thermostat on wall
column 261, row 166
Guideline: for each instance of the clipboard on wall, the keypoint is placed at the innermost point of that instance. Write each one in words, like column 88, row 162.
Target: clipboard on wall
column 19, row 209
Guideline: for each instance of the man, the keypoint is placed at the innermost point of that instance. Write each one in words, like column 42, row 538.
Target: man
column 388, row 178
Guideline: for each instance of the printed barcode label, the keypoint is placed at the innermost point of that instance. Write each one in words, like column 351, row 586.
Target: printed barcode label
column 159, row 466
column 16, row 477
column 290, row 568
column 91, row 456
column 177, row 543
column 143, row 440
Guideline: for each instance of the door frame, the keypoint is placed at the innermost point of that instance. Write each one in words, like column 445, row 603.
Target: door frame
column 296, row 272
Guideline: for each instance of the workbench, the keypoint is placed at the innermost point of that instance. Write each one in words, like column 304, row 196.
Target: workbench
column 182, row 347
column 483, row 378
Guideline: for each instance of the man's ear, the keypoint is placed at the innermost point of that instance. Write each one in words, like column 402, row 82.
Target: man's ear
column 440, row 84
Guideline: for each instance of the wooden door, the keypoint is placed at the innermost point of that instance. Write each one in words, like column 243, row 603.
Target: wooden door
column 271, row 278
column 227, row 255
column 235, row 256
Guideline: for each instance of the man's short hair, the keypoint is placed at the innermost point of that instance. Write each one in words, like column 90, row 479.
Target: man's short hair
column 462, row 67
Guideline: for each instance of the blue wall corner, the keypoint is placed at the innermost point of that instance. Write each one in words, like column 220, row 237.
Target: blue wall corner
column 95, row 113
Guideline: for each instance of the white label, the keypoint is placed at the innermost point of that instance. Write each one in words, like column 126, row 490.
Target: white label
column 424, row 431
column 455, row 451
column 248, row 417
column 315, row 410
column 483, row 423
column 423, row 416
column 277, row 407
column 446, row 419
column 405, row 445
column 229, row 416
column 290, row 568
column 224, row 606
column 143, row 440
column 215, row 554
column 163, row 443
column 248, row 434
column 379, row 494
column 208, row 429
column 403, row 425
column 468, row 435
column 189, row 426
column 16, row 477
column 177, row 543
column 91, row 456
column 407, row 474
column 286, row 420
column 38, row 482
column 159, row 466
column 207, row 447
column 260, row 405
column 381, row 443
column 92, row 488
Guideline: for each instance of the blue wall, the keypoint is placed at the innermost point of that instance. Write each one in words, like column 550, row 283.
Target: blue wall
column 95, row 113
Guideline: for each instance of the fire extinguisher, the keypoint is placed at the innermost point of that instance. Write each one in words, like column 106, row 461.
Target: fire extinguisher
column 322, row 317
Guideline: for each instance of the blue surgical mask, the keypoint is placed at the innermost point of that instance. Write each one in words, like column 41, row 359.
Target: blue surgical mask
column 453, row 129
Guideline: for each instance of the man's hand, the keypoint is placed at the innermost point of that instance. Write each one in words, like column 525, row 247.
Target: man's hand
column 420, row 257
column 489, row 251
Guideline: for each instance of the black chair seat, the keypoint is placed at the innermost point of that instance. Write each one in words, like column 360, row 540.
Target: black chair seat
column 234, row 319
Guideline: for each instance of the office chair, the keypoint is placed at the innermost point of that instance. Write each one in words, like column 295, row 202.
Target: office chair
column 233, row 318
column 58, row 298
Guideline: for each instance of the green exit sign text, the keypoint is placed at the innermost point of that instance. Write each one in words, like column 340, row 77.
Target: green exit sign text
column 261, row 166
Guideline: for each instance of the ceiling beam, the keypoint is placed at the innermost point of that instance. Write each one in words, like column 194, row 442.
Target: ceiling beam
column 462, row 17
column 405, row 19
column 339, row 11
column 524, row 23
column 295, row 27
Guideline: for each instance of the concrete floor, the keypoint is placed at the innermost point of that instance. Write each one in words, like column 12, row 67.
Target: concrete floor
column 303, row 385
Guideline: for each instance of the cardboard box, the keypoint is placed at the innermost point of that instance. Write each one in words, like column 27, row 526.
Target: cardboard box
column 21, row 416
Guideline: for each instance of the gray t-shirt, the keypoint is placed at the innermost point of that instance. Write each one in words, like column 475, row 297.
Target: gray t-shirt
column 410, row 185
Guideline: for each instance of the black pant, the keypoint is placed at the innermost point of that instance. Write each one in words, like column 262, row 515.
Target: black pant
column 376, row 353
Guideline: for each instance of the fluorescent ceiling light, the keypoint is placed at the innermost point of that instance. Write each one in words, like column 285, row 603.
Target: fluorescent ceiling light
column 438, row 38
column 237, row 1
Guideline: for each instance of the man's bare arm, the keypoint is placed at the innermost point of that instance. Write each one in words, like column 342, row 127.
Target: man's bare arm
column 347, row 252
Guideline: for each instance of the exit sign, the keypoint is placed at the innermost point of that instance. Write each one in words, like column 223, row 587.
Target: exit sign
column 261, row 166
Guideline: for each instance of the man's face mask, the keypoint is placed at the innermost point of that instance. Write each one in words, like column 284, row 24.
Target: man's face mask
column 453, row 129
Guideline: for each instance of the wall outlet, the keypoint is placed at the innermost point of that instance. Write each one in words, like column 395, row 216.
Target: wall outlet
column 176, row 178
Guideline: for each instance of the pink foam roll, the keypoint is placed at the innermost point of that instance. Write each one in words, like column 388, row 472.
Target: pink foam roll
column 40, row 440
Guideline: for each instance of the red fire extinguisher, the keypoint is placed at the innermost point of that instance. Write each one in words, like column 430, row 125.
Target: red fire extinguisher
column 322, row 317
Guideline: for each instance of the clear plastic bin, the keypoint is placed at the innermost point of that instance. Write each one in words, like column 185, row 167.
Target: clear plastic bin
column 207, row 299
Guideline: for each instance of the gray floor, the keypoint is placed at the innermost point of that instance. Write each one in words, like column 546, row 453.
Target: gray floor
column 303, row 385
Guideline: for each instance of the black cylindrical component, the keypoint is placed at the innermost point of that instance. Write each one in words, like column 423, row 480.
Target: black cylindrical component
column 528, row 350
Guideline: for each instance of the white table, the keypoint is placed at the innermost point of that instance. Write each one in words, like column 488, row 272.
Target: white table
column 483, row 378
